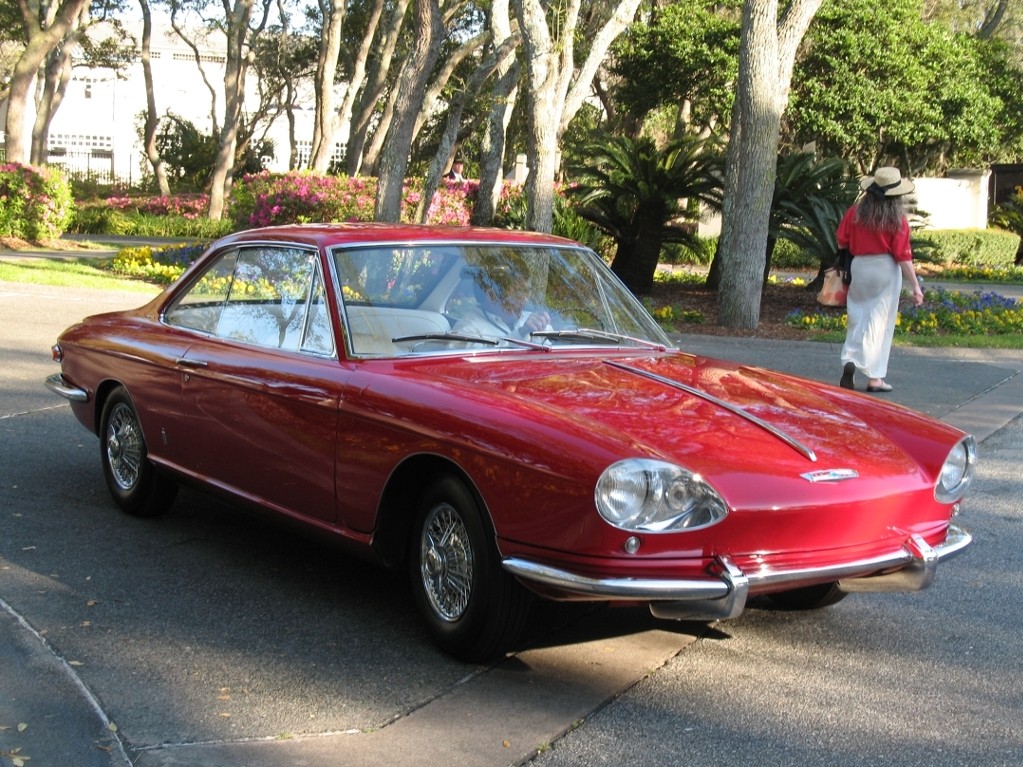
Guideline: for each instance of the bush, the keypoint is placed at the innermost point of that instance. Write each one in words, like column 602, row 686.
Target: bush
column 35, row 203
column 179, row 216
column 266, row 199
column 1009, row 216
column 698, row 252
column 966, row 247
column 788, row 255
column 161, row 265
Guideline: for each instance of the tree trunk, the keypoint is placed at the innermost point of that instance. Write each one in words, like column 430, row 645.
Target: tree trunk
column 636, row 266
column 152, row 119
column 376, row 79
column 491, row 180
column 239, row 35
column 449, row 137
column 57, row 74
column 545, row 98
column 556, row 89
column 42, row 36
column 343, row 122
column 371, row 150
column 429, row 34
column 502, row 103
column 197, row 57
column 766, row 57
column 333, row 14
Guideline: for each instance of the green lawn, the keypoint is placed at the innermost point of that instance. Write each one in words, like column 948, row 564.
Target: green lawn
column 69, row 272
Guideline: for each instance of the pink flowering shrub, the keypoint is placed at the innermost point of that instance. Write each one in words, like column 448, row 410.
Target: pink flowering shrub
column 266, row 199
column 35, row 203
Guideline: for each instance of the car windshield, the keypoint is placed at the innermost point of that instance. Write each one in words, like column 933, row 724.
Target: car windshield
column 431, row 298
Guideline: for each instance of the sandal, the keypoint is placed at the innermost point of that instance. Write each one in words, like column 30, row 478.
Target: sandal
column 882, row 387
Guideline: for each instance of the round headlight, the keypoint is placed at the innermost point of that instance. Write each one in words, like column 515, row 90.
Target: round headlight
column 647, row 495
column 957, row 471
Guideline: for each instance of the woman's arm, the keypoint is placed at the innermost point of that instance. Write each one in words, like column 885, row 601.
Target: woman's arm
column 909, row 277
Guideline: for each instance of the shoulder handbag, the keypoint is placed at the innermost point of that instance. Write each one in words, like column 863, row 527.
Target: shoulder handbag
column 834, row 291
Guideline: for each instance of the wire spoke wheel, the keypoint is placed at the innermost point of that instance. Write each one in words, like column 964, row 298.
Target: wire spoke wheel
column 124, row 447
column 134, row 482
column 446, row 562
column 473, row 609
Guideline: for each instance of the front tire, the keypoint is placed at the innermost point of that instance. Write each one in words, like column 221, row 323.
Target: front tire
column 474, row 610
column 135, row 484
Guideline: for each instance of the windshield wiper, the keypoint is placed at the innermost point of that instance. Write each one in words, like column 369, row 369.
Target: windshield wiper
column 446, row 337
column 592, row 334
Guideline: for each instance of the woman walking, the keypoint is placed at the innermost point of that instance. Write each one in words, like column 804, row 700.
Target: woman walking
column 876, row 232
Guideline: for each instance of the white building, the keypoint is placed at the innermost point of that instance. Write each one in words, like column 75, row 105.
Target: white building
column 97, row 129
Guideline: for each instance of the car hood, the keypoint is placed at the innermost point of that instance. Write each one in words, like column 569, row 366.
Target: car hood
column 751, row 432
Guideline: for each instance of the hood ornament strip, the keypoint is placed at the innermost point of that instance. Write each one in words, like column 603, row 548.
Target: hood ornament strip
column 830, row 475
column 788, row 440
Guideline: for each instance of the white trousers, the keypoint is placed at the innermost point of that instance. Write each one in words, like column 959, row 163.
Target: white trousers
column 873, row 308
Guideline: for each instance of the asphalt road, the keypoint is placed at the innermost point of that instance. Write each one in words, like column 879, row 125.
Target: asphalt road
column 210, row 638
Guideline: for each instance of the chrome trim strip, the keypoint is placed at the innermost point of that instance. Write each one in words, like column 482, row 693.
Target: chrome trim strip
column 59, row 385
column 722, row 593
column 788, row 440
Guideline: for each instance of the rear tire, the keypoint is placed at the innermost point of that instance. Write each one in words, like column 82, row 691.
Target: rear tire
column 809, row 597
column 474, row 610
column 137, row 487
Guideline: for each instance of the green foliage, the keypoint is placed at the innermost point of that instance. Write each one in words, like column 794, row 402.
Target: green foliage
column 700, row 250
column 188, row 153
column 1009, row 216
column 966, row 247
column 35, row 203
column 643, row 196
column 810, row 198
column 877, row 84
column 569, row 223
column 788, row 255
column 179, row 216
column 688, row 52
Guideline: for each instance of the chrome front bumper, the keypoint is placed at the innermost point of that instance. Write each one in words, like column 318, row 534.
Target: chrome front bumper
column 723, row 592
column 59, row 385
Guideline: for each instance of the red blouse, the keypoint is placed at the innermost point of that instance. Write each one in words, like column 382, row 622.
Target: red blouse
column 863, row 242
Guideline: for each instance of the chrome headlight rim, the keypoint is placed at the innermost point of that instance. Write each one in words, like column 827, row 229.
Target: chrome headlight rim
column 648, row 495
column 957, row 471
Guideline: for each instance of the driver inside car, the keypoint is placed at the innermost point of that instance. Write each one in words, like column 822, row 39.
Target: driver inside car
column 501, row 308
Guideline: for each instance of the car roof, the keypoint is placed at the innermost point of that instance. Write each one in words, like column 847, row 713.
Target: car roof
column 367, row 233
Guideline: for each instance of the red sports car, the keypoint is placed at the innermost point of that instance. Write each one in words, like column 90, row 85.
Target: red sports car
column 494, row 411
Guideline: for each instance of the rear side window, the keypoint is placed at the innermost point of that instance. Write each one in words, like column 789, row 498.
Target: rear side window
column 266, row 296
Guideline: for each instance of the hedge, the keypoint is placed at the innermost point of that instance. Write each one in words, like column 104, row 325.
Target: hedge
column 966, row 247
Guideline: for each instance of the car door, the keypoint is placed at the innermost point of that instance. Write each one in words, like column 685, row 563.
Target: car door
column 260, row 390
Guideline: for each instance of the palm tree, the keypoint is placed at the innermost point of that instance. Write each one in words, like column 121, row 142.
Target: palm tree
column 810, row 198
column 643, row 196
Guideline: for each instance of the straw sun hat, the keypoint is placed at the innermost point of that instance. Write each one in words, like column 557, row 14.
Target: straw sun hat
column 887, row 182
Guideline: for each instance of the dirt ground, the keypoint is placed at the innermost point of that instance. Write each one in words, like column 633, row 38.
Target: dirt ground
column 776, row 303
